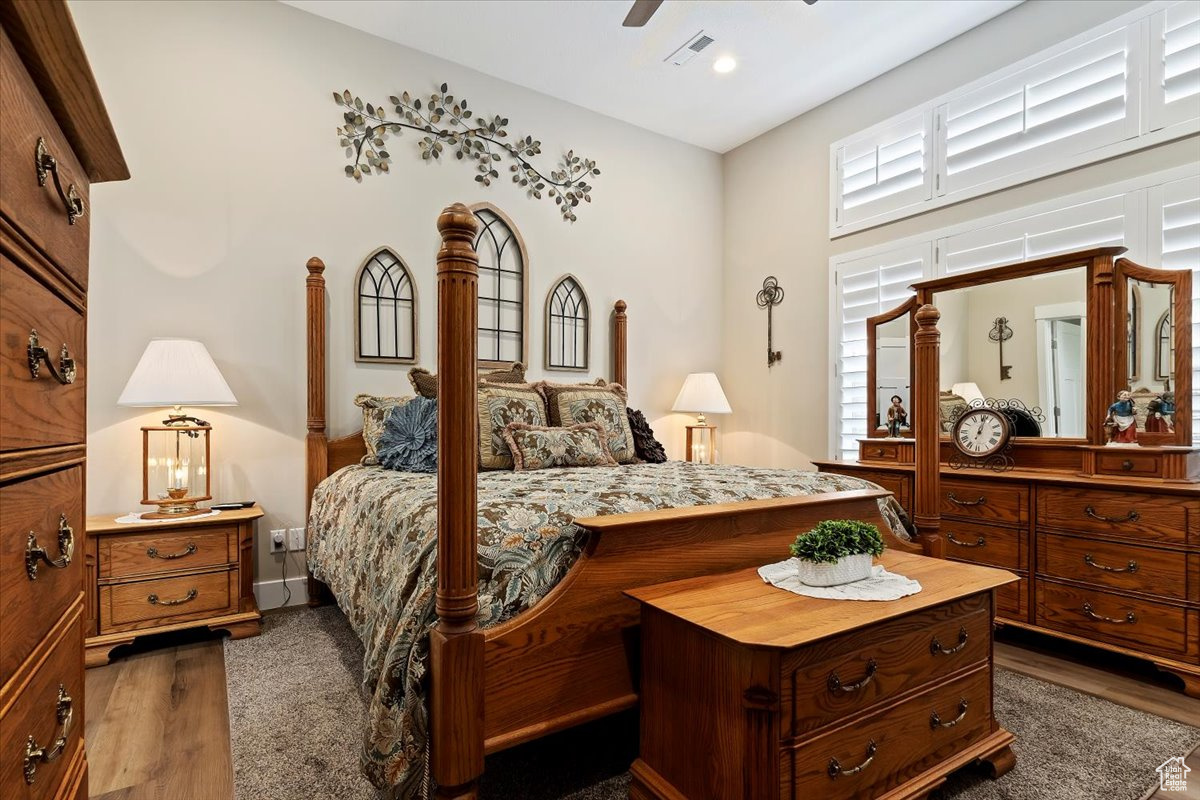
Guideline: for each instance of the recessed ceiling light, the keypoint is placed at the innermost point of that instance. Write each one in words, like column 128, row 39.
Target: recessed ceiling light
column 725, row 64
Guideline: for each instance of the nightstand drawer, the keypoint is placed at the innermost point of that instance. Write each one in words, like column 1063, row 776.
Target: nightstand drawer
column 1113, row 565
column 167, row 550
column 985, row 501
column 984, row 544
column 146, row 604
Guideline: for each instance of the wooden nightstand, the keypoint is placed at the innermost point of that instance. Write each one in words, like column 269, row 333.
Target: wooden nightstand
column 157, row 577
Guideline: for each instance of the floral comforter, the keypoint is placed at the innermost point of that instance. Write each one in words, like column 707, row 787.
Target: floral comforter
column 373, row 536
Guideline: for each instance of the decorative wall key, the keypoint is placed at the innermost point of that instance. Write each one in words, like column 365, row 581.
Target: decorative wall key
column 1001, row 333
column 769, row 296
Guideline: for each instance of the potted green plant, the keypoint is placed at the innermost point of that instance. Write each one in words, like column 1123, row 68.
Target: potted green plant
column 836, row 551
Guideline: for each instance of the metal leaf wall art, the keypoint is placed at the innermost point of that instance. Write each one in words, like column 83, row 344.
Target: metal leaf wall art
column 447, row 125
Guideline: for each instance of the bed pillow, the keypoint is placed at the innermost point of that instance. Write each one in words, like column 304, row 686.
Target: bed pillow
column 648, row 448
column 572, row 404
column 409, row 440
column 500, row 405
column 536, row 447
column 375, row 412
column 424, row 382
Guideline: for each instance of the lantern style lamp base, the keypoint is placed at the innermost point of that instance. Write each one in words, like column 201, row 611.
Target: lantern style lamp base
column 175, row 510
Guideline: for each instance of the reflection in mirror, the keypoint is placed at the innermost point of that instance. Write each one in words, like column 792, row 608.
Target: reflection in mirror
column 892, row 380
column 1022, row 340
column 1149, row 329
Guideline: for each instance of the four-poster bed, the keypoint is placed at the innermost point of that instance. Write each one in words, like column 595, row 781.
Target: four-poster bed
column 572, row 656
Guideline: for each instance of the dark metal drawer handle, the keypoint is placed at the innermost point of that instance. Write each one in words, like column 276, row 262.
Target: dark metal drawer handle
column 958, row 502
column 836, row 769
column 35, row 754
column 36, row 555
column 48, row 165
column 878, row 452
column 152, row 552
column 1127, row 465
column 980, row 542
column 1132, row 566
column 935, row 646
column 154, row 601
column 935, row 721
column 1090, row 613
column 37, row 354
column 1132, row 516
column 835, row 683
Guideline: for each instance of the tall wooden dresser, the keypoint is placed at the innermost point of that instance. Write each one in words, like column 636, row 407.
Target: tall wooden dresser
column 55, row 141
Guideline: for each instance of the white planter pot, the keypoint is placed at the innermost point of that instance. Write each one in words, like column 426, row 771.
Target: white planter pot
column 846, row 569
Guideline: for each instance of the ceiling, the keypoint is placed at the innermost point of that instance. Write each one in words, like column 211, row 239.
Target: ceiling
column 790, row 56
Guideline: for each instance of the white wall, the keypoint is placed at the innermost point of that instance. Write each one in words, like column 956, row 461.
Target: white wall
column 225, row 115
column 777, row 222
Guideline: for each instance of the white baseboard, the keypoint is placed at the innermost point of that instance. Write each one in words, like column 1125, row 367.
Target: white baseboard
column 271, row 594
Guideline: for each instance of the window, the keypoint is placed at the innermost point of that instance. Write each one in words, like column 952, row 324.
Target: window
column 567, row 318
column 502, row 265
column 884, row 171
column 1174, row 85
column 386, row 313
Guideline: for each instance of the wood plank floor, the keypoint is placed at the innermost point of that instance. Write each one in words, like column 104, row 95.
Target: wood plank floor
column 158, row 720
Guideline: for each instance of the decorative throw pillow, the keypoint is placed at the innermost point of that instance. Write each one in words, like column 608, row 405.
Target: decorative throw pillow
column 648, row 448
column 536, row 447
column 424, row 382
column 409, row 441
column 571, row 404
column 375, row 412
column 500, row 405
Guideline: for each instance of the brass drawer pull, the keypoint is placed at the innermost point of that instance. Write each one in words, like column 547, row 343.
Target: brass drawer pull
column 152, row 552
column 1132, row 566
column 154, row 601
column 835, row 683
column 48, row 165
column 66, row 365
column 836, row 769
column 35, row 754
column 36, row 555
column 978, row 502
column 1132, row 516
column 980, row 542
column 935, row 720
column 1090, row 613
column 1127, row 465
column 935, row 646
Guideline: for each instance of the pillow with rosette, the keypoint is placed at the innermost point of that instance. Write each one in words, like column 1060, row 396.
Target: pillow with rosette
column 409, row 440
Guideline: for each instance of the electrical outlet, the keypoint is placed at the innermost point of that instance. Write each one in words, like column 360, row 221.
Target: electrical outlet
column 278, row 538
column 296, row 539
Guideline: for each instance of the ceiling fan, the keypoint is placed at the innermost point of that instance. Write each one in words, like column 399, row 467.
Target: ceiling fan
column 643, row 10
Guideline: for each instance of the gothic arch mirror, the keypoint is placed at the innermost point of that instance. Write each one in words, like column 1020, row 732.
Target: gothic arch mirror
column 568, row 323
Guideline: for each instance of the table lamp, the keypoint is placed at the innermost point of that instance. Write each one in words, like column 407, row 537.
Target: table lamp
column 176, row 461
column 702, row 394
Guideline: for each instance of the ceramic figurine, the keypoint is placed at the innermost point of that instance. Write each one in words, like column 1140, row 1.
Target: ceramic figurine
column 1158, row 413
column 1121, row 422
column 897, row 417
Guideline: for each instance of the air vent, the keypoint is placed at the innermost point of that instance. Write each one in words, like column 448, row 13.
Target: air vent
column 688, row 50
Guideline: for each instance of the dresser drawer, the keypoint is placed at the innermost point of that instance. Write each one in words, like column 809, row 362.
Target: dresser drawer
column 1012, row 601
column 879, row 450
column 124, row 555
column 1119, row 514
column 828, row 682
column 37, row 209
column 38, row 712
column 162, row 601
column 51, row 507
column 1095, row 614
column 37, row 411
column 985, row 501
column 1113, row 565
column 899, row 484
column 907, row 740
column 984, row 544
column 1127, row 462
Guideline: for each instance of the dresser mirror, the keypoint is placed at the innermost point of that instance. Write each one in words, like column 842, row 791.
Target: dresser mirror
column 889, row 371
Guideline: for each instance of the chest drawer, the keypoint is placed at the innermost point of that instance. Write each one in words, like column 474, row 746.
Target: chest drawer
column 125, row 555
column 1128, row 515
column 1096, row 614
column 161, row 601
column 1129, row 463
column 985, row 501
column 1113, row 565
column 51, row 508
column 40, row 411
column 827, row 682
column 984, row 544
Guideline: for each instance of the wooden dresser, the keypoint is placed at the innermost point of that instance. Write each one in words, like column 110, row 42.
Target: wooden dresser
column 55, row 141
column 751, row 691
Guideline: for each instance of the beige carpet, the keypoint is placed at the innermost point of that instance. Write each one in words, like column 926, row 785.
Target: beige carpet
column 296, row 718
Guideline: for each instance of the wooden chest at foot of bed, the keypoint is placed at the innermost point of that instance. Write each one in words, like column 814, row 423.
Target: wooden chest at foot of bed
column 751, row 691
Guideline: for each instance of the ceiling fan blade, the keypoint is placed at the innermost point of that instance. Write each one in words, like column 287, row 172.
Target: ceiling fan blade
column 810, row 2
column 641, row 13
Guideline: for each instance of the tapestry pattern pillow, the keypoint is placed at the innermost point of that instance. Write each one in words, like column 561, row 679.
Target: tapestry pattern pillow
column 572, row 404
column 375, row 412
column 409, row 440
column 648, row 449
column 424, row 382
column 535, row 447
column 499, row 406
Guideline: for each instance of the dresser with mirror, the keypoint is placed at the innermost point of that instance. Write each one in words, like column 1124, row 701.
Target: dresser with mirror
column 1047, row 429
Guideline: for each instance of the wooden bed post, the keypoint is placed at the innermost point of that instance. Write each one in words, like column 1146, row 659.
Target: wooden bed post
column 926, row 496
column 620, row 346
column 316, row 442
column 456, row 643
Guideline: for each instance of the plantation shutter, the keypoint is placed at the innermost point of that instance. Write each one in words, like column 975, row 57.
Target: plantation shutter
column 1181, row 250
column 1174, row 79
column 887, row 169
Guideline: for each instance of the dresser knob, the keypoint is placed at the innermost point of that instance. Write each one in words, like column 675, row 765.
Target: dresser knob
column 1127, row 465
column 47, row 166
column 35, row 754
column 36, row 555
column 64, row 374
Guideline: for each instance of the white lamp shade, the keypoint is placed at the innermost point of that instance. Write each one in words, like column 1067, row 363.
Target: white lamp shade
column 967, row 391
column 176, row 372
column 702, row 394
